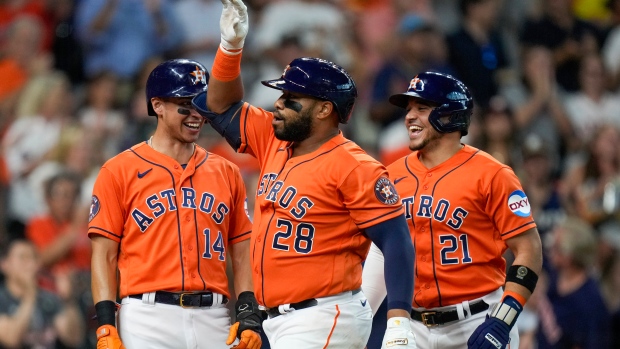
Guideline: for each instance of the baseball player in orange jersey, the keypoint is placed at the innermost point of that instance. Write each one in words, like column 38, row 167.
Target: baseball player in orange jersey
column 168, row 215
column 319, row 199
column 464, row 210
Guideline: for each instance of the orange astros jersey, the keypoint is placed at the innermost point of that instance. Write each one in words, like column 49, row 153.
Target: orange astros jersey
column 174, row 225
column 307, row 239
column 459, row 214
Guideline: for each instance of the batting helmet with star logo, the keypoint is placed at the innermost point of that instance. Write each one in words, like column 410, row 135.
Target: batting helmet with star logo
column 176, row 78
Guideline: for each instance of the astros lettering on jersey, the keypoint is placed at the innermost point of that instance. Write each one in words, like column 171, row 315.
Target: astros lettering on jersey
column 310, row 213
column 141, row 191
column 459, row 214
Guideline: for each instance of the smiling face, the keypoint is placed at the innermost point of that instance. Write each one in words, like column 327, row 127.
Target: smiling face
column 179, row 118
column 292, row 119
column 422, row 135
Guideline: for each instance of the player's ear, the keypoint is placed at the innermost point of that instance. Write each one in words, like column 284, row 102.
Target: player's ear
column 324, row 109
column 158, row 105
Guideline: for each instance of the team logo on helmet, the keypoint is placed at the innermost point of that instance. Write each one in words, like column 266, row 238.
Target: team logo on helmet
column 95, row 205
column 416, row 84
column 385, row 191
column 519, row 203
column 287, row 68
column 199, row 76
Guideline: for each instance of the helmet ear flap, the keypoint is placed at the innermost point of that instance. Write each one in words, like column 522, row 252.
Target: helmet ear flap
column 449, row 118
column 346, row 110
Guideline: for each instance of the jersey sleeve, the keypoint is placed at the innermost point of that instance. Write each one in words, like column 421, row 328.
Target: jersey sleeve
column 508, row 205
column 256, row 131
column 240, row 225
column 106, row 215
column 369, row 195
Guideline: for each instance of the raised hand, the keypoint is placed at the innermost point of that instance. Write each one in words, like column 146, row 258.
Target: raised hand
column 233, row 25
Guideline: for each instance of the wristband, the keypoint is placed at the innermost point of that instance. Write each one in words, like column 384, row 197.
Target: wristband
column 106, row 313
column 519, row 298
column 507, row 310
column 522, row 275
column 226, row 67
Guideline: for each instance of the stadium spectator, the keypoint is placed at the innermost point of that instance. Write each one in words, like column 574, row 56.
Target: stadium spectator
column 100, row 115
column 537, row 106
column 541, row 183
column 60, row 234
column 498, row 131
column 568, row 37
column 592, row 105
column 572, row 291
column 200, row 36
column 29, row 316
column 30, row 140
column 611, row 47
column 21, row 57
column 477, row 50
column 119, row 36
column 591, row 186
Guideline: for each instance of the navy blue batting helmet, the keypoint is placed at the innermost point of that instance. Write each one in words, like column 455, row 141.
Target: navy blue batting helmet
column 321, row 79
column 176, row 78
column 453, row 101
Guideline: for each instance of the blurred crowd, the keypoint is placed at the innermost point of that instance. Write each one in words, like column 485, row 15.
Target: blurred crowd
column 545, row 75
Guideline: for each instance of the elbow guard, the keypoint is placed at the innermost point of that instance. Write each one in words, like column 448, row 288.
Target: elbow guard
column 226, row 124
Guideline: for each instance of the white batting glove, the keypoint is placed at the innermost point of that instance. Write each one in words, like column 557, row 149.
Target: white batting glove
column 233, row 25
column 398, row 334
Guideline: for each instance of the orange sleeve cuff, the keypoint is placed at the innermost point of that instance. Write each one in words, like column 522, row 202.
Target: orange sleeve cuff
column 226, row 67
column 516, row 296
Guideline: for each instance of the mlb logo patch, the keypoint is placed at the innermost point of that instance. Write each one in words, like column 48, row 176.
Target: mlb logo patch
column 519, row 203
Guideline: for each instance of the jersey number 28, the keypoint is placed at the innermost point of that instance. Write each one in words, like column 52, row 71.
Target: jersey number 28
column 304, row 233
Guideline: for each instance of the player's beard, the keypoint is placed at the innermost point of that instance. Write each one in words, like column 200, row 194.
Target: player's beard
column 428, row 143
column 296, row 129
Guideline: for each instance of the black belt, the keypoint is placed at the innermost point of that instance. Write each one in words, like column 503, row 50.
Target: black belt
column 273, row 312
column 434, row 318
column 184, row 299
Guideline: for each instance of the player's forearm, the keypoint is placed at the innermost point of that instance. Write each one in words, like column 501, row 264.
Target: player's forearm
column 103, row 269
column 527, row 249
column 242, row 270
column 225, row 84
column 393, row 239
column 373, row 278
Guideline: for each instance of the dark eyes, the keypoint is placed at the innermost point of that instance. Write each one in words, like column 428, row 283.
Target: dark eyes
column 186, row 104
column 420, row 108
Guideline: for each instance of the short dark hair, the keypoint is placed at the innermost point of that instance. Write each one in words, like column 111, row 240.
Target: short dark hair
column 6, row 248
column 63, row 176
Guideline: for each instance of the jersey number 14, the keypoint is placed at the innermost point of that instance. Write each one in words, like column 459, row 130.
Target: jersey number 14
column 217, row 247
